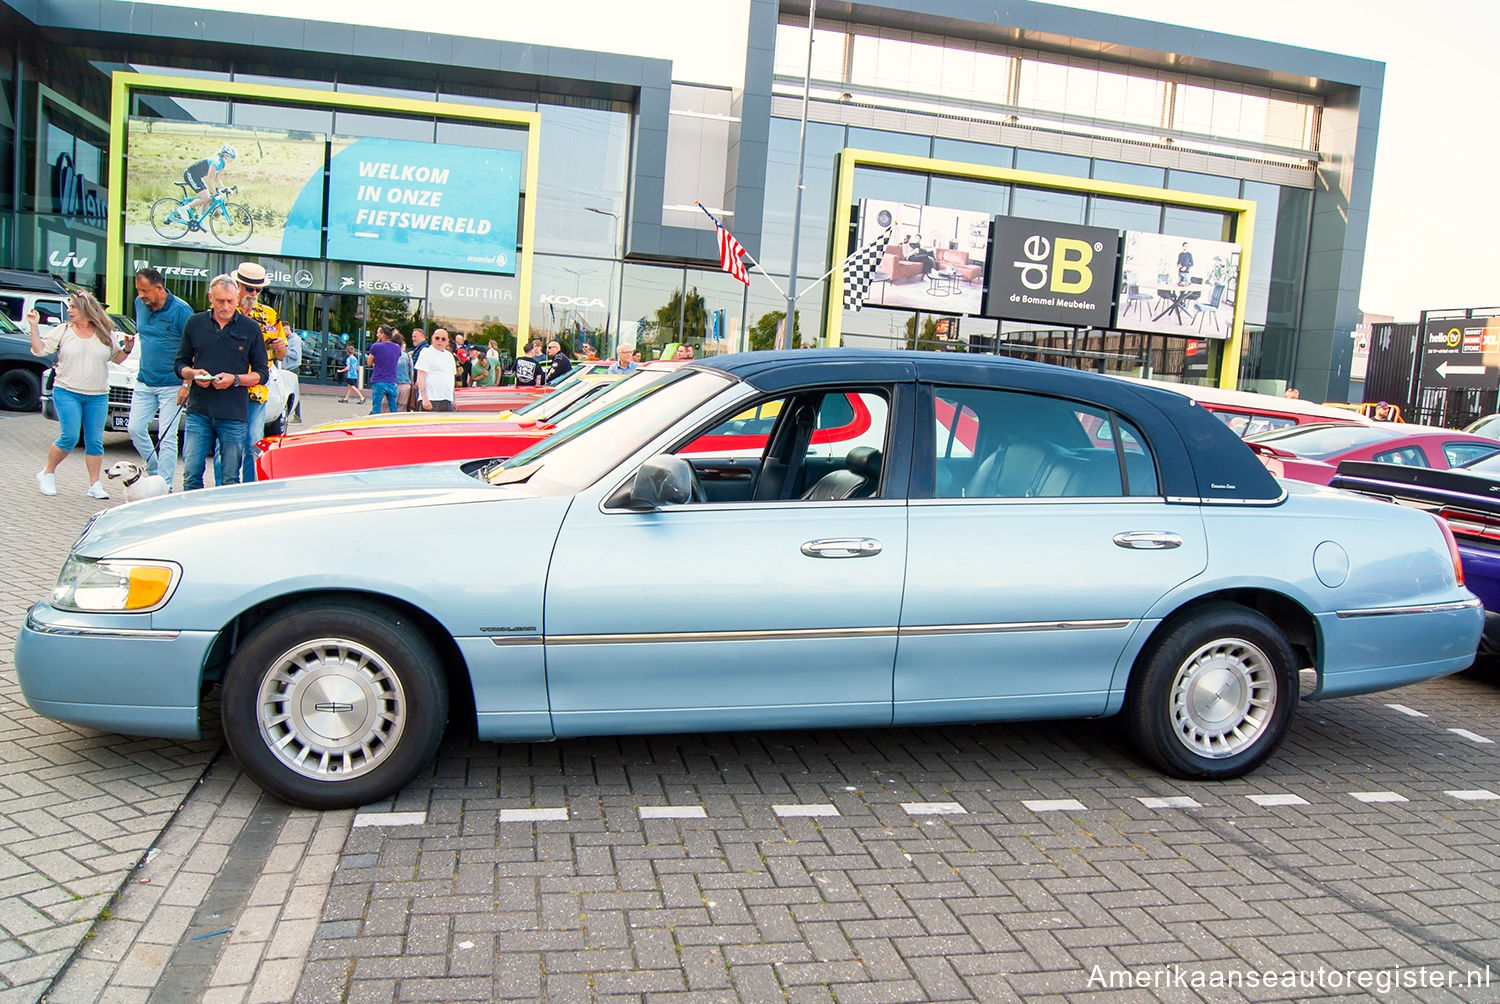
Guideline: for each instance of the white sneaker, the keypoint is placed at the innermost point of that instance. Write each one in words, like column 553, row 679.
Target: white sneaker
column 96, row 491
column 47, row 483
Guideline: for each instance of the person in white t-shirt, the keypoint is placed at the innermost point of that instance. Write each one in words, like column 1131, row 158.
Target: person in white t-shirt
column 436, row 369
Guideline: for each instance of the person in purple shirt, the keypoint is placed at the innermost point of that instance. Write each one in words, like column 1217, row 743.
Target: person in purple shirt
column 385, row 354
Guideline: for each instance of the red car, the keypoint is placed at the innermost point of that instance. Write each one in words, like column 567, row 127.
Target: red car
column 1313, row 452
column 844, row 422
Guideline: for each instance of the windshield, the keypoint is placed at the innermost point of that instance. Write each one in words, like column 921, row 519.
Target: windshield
column 1319, row 442
column 578, row 456
column 620, row 389
column 547, row 405
column 8, row 326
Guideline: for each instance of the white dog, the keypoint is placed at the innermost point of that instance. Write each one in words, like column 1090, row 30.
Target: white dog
column 138, row 484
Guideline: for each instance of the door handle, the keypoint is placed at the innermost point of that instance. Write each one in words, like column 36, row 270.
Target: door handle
column 1148, row 540
column 841, row 547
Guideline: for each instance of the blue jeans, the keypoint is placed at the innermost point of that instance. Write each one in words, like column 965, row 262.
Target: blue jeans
column 80, row 413
column 386, row 391
column 202, row 433
column 255, row 429
column 159, row 403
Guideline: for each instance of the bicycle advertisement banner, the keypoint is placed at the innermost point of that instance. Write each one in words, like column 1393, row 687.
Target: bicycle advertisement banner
column 253, row 190
column 430, row 205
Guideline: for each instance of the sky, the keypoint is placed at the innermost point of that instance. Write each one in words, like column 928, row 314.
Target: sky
column 1434, row 237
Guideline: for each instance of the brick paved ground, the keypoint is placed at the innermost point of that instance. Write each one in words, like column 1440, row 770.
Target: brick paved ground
column 995, row 863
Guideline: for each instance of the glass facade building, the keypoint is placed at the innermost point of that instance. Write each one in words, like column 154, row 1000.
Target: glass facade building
column 618, row 153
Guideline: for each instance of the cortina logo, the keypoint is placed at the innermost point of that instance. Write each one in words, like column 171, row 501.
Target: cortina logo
column 1066, row 259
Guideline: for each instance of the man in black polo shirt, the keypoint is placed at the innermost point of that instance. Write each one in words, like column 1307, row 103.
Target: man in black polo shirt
column 221, row 356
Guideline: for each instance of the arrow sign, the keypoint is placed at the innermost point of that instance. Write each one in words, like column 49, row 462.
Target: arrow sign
column 1446, row 369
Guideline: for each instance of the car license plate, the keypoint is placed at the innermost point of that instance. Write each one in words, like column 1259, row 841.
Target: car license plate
column 119, row 423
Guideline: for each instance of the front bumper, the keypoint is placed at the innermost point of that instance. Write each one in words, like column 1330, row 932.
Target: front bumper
column 114, row 673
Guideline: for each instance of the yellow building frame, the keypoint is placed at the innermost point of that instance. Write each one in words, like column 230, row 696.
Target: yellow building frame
column 1239, row 226
column 125, row 84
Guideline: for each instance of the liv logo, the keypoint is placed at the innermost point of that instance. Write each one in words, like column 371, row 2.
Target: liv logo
column 67, row 259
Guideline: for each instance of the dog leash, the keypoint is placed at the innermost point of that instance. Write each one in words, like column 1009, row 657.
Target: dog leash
column 159, row 430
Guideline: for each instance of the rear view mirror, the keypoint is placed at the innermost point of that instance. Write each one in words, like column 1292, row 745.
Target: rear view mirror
column 662, row 481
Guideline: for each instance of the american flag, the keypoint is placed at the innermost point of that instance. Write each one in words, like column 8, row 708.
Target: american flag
column 730, row 252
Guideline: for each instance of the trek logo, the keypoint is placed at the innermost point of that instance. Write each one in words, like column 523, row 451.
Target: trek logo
column 572, row 301
column 69, row 259
column 1067, row 260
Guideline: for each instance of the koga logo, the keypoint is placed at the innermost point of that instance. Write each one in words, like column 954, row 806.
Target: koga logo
column 449, row 289
column 572, row 301
column 1065, row 259
column 70, row 259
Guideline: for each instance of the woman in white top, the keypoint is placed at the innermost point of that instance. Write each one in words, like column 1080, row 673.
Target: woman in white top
column 85, row 347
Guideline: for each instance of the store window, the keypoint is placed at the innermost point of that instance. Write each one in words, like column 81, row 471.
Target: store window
column 585, row 153
column 823, row 145
column 575, row 300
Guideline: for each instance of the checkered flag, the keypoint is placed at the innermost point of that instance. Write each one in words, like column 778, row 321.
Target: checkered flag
column 860, row 266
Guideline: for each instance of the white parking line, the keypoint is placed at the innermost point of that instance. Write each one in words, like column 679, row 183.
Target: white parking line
column 1474, row 795
column 1472, row 736
column 1054, row 805
column 559, row 814
column 934, row 808
column 390, row 818
column 673, row 812
column 1270, row 801
column 1169, row 802
column 1408, row 711
column 1377, row 796
column 817, row 809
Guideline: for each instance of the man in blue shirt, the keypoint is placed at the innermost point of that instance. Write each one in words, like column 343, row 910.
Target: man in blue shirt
column 222, row 353
column 159, row 320
column 383, row 356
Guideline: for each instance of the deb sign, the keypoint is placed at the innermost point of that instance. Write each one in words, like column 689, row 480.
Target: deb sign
column 1461, row 352
column 1052, row 273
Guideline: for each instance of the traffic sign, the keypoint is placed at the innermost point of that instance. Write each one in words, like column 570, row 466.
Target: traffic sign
column 1461, row 352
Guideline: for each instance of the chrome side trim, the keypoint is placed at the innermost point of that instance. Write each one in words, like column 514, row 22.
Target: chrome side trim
column 800, row 634
column 508, row 640
column 78, row 630
column 821, row 634
column 1043, row 500
column 1426, row 608
column 1011, row 627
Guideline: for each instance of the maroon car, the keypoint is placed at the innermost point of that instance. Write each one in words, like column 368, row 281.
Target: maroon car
column 1313, row 452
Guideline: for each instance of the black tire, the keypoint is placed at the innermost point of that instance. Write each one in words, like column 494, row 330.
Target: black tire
column 1212, row 695
column 360, row 672
column 162, row 222
column 20, row 390
column 234, row 226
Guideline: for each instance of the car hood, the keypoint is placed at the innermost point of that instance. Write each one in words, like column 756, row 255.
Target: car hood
column 239, row 512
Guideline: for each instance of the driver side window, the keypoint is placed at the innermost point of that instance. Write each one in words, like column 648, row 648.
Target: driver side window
column 810, row 446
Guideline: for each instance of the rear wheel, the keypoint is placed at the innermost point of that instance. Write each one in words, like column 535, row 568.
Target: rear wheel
column 332, row 705
column 1213, row 695
column 20, row 390
column 163, row 220
column 233, row 225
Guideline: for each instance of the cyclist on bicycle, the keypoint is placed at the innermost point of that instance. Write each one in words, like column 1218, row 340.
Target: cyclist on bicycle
column 203, row 177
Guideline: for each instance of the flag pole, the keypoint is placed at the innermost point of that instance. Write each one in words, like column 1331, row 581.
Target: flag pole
column 791, row 282
column 769, row 277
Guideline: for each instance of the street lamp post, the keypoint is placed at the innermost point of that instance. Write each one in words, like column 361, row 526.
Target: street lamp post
column 614, row 236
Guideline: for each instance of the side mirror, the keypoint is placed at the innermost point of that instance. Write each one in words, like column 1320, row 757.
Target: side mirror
column 662, row 481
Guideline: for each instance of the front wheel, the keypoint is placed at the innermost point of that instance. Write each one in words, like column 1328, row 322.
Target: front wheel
column 165, row 219
column 1213, row 695
column 233, row 225
column 20, row 390
column 333, row 705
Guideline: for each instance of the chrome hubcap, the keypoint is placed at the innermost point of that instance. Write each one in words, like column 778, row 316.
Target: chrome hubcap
column 330, row 709
column 1222, row 698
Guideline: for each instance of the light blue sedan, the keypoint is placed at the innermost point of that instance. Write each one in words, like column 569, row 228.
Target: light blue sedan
column 1006, row 540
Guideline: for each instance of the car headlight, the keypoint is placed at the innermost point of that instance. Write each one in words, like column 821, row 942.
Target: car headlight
column 110, row 585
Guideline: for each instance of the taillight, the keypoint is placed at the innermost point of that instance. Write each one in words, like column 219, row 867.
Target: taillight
column 1471, row 524
column 1458, row 567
